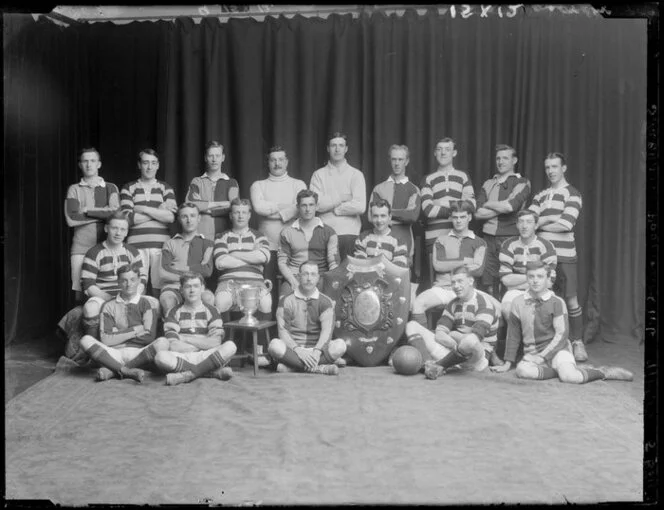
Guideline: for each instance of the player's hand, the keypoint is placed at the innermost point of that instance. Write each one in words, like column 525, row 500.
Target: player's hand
column 533, row 358
column 308, row 358
column 83, row 210
column 501, row 368
column 139, row 330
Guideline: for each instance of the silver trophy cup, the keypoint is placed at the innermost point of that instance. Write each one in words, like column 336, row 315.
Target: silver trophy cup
column 248, row 296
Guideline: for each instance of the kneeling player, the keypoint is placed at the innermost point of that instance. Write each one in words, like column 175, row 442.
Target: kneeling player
column 194, row 332
column 539, row 319
column 127, row 328
column 466, row 332
column 305, row 320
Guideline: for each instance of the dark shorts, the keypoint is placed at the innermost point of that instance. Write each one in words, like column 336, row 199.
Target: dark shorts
column 565, row 284
column 491, row 262
column 346, row 246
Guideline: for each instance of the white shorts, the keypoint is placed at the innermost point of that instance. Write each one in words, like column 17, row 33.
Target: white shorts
column 152, row 265
column 76, row 266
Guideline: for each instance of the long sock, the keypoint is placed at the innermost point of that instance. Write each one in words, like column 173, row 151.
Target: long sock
column 575, row 323
column 501, row 338
column 421, row 319
column 591, row 374
column 144, row 357
column 544, row 373
column 452, row 358
column 212, row 362
column 182, row 365
column 99, row 354
column 291, row 360
column 417, row 341
column 90, row 326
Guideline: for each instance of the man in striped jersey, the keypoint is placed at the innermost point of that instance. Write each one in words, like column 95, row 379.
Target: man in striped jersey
column 305, row 322
column 460, row 247
column 240, row 254
column 150, row 206
column 538, row 319
column 183, row 253
column 439, row 189
column 307, row 238
column 213, row 192
column 380, row 240
column 194, row 331
column 558, row 207
column 404, row 199
column 87, row 205
column 127, row 330
column 99, row 271
column 498, row 202
column 465, row 334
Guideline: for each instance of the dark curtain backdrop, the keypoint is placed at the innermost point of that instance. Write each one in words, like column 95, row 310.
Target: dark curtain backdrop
column 573, row 84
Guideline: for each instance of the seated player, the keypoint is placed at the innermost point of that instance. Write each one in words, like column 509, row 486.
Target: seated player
column 307, row 238
column 186, row 252
column 459, row 247
column 380, row 240
column 305, row 321
column 127, row 328
column 516, row 252
column 194, row 331
column 466, row 332
column 240, row 254
column 538, row 319
column 99, row 278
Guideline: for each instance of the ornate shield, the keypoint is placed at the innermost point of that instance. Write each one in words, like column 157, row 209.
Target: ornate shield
column 372, row 302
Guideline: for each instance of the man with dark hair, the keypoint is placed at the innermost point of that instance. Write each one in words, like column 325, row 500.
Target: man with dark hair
column 307, row 238
column 465, row 334
column 559, row 207
column 127, row 329
column 538, row 319
column 305, row 321
column 498, row 202
column 459, row 247
column 87, row 205
column 342, row 194
column 379, row 240
column 213, row 192
column 150, row 206
column 185, row 252
column 194, row 331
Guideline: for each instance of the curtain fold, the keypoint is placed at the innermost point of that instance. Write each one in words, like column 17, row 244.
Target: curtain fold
column 541, row 83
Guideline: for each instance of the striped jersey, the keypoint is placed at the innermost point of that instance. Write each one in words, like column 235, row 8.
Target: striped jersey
column 322, row 247
column 200, row 320
column 204, row 189
column 179, row 256
column 478, row 315
column 564, row 204
column 89, row 226
column 100, row 266
column 303, row 317
column 534, row 322
column 514, row 254
column 453, row 184
column 371, row 244
column 249, row 240
column 454, row 247
column 152, row 233
column 516, row 190
column 118, row 316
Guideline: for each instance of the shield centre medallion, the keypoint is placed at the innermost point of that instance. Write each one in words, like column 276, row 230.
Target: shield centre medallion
column 367, row 307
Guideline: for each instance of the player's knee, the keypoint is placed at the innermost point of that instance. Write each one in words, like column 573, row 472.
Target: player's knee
column 227, row 349
column 208, row 297
column 168, row 301
column 165, row 361
column 419, row 305
column 413, row 328
column 87, row 342
column 570, row 375
column 265, row 304
column 223, row 301
column 161, row 344
column 468, row 344
column 91, row 309
column 336, row 348
column 276, row 348
column 526, row 370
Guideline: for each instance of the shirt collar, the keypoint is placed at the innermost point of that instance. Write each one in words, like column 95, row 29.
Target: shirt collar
column 221, row 175
column 100, row 183
column 548, row 294
column 403, row 180
column 469, row 234
column 179, row 236
column 299, row 294
column 387, row 232
column 317, row 223
column 498, row 177
column 133, row 301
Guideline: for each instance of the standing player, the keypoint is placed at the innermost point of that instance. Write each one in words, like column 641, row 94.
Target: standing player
column 184, row 253
column 194, row 331
column 465, row 334
column 87, row 206
column 127, row 329
column 213, row 192
column 150, row 206
column 380, row 239
column 305, row 321
column 539, row 320
column 498, row 203
column 558, row 207
column 342, row 194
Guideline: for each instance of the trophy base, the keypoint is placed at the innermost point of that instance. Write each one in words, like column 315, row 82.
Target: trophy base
column 249, row 320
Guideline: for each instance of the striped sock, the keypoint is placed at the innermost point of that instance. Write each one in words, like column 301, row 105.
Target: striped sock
column 452, row 358
column 99, row 354
column 182, row 365
column 575, row 323
column 590, row 374
column 144, row 357
column 292, row 360
column 421, row 319
column 212, row 362
column 544, row 373
column 417, row 341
